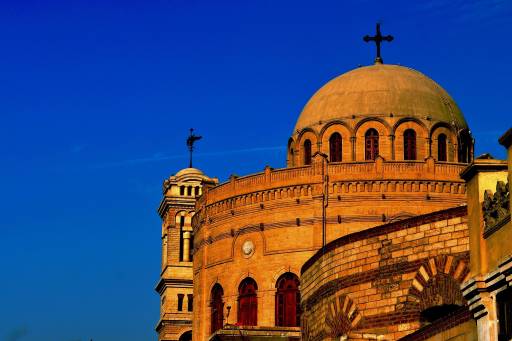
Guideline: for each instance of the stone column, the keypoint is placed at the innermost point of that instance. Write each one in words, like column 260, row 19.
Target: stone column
column 186, row 246
column 487, row 325
column 392, row 142
column 353, row 145
column 482, row 304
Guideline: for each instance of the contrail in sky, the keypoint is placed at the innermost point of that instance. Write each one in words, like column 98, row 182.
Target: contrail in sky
column 162, row 157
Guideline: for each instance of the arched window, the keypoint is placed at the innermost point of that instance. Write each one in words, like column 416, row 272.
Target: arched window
column 307, row 152
column 371, row 144
column 409, row 145
column 335, row 142
column 182, row 225
column 287, row 301
column 247, row 303
column 217, row 307
column 441, row 147
column 180, row 301
column 190, row 302
column 291, row 154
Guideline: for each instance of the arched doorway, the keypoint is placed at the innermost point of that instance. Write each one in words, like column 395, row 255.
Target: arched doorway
column 217, row 308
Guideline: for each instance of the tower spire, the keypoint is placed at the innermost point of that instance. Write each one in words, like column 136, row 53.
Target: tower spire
column 190, row 144
column 378, row 38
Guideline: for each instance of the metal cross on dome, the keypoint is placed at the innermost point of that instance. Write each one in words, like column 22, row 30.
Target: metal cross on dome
column 378, row 38
column 190, row 144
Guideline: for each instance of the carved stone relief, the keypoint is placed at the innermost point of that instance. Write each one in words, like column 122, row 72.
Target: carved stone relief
column 495, row 207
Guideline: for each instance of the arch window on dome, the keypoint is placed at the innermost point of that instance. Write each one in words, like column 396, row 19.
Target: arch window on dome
column 409, row 145
column 335, row 147
column 217, row 308
column 371, row 144
column 441, row 147
column 291, row 153
column 307, row 152
column 287, row 301
column 465, row 147
column 247, row 303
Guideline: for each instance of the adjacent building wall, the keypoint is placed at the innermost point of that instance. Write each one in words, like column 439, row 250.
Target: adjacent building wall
column 490, row 235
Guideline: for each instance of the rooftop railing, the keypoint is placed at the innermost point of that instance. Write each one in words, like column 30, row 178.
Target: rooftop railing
column 427, row 170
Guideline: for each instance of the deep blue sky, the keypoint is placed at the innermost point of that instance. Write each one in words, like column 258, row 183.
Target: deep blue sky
column 96, row 98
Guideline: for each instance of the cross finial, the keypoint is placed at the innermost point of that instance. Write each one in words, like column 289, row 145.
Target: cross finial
column 378, row 38
column 190, row 144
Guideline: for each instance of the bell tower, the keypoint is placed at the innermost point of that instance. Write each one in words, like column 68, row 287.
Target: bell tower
column 180, row 193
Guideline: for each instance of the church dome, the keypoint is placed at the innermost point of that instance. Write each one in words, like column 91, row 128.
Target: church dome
column 189, row 171
column 380, row 90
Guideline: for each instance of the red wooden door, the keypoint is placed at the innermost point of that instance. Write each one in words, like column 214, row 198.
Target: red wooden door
column 217, row 306
column 247, row 303
column 287, row 301
column 290, row 313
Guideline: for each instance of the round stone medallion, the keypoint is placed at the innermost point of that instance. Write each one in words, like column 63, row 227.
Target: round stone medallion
column 247, row 248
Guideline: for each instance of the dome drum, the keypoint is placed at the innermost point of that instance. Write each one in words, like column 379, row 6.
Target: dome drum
column 391, row 141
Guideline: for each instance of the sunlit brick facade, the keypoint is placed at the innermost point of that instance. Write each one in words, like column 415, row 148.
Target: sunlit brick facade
column 363, row 235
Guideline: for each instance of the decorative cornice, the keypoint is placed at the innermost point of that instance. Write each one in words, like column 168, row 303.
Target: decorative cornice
column 483, row 165
column 164, row 283
column 342, row 191
column 162, row 322
column 181, row 203
column 494, row 281
column 357, row 171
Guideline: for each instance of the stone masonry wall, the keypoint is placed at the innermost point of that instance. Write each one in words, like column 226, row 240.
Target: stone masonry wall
column 375, row 283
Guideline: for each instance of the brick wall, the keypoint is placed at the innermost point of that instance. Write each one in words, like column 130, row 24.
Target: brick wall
column 376, row 283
